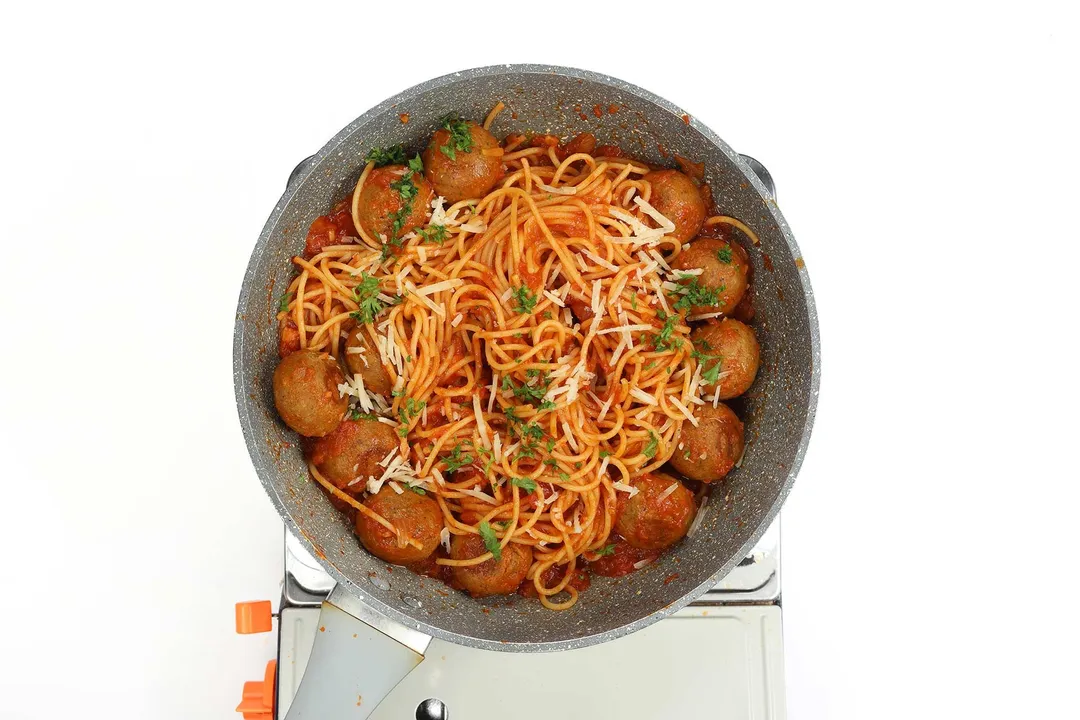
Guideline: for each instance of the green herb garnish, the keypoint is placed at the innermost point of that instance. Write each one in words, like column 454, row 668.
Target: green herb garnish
column 434, row 233
column 455, row 460
column 563, row 476
column 663, row 340
column 283, row 304
column 366, row 295
column 651, row 446
column 604, row 454
column 547, row 405
column 526, row 301
column 460, row 139
column 526, row 484
column 417, row 489
column 390, row 156
column 606, row 550
column 491, row 542
column 698, row 295
column 357, row 415
column 724, row 254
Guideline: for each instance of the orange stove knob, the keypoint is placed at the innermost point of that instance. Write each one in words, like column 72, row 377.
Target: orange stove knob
column 255, row 616
column 257, row 701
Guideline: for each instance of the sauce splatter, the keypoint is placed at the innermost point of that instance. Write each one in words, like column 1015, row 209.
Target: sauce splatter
column 597, row 111
column 612, row 108
column 686, row 119
column 768, row 261
column 799, row 263
column 404, row 118
column 322, row 628
column 663, row 150
column 671, row 578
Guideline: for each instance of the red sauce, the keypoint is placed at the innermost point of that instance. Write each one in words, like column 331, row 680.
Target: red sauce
column 332, row 229
column 609, row 151
column 580, row 580
column 621, row 562
column 289, row 337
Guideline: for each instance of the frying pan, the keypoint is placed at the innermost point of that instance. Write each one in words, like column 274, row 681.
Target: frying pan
column 778, row 410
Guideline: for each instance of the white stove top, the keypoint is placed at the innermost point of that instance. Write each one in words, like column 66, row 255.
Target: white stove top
column 721, row 657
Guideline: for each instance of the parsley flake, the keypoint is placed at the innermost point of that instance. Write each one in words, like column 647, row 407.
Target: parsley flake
column 525, row 299
column 606, row 550
column 526, row 484
column 491, row 542
column 283, row 304
column 390, row 156
column 366, row 296
column 653, row 444
column 724, row 254
column 697, row 294
column 460, row 138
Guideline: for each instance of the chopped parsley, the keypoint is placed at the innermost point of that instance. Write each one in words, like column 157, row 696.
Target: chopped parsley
column 455, row 460
column 712, row 374
column 390, row 156
column 417, row 489
column 409, row 411
column 604, row 454
column 608, row 549
column 547, row 315
column 434, row 233
column 490, row 541
column 525, row 299
column 633, row 302
column 663, row 340
column 698, row 295
column 526, row 484
column 651, row 446
column 460, row 139
column 550, row 445
column 407, row 190
column 511, row 414
column 366, row 296
column 531, row 431
column 283, row 304
column 357, row 415
column 547, row 405
column 525, row 392
column 724, row 254
column 551, row 462
column 564, row 476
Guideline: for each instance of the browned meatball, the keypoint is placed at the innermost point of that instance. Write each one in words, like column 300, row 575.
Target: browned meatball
column 416, row 517
column 353, row 451
column 678, row 199
column 725, row 272
column 379, row 202
column 652, row 522
column 491, row 577
column 739, row 355
column 709, row 451
column 306, row 392
column 367, row 364
column 457, row 173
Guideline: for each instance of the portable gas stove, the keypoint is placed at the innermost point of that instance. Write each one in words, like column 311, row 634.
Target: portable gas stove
column 729, row 641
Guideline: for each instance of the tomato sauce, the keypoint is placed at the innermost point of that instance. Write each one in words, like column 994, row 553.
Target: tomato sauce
column 330, row 229
column 622, row 561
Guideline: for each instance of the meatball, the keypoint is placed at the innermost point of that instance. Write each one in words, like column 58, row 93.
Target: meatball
column 379, row 202
column 725, row 271
column 306, row 392
column 416, row 517
column 738, row 353
column 651, row 520
column 709, row 451
column 491, row 577
column 458, row 174
column 353, row 450
column 363, row 359
column 678, row 199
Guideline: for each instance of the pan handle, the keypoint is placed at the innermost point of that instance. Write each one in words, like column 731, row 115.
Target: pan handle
column 358, row 657
column 760, row 170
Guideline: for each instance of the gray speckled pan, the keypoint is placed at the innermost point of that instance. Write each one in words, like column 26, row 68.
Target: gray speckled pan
column 778, row 411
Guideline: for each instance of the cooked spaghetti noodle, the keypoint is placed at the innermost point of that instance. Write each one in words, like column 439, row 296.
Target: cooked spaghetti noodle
column 538, row 340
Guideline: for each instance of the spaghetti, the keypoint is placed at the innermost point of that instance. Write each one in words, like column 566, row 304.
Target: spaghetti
column 532, row 331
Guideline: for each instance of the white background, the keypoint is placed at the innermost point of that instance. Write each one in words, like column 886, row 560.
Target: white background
column 925, row 155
